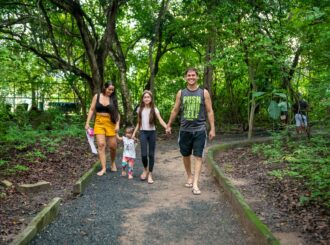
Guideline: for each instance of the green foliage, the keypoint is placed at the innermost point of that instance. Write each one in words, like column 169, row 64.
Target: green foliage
column 69, row 131
column 18, row 167
column 33, row 155
column 65, row 106
column 19, row 137
column 5, row 113
column 32, row 145
column 307, row 160
column 253, row 49
column 3, row 163
column 50, row 144
column 273, row 110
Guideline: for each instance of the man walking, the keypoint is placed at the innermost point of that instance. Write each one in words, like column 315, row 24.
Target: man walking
column 193, row 103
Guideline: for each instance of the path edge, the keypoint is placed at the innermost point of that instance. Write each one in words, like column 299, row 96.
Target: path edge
column 83, row 181
column 248, row 218
column 39, row 222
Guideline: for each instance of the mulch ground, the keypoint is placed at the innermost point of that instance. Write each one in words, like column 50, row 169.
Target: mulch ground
column 279, row 208
column 275, row 201
column 61, row 168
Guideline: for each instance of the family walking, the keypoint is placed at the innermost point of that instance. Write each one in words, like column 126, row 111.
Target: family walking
column 194, row 105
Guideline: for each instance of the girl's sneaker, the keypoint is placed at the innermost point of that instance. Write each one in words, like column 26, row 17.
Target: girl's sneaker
column 123, row 173
column 130, row 176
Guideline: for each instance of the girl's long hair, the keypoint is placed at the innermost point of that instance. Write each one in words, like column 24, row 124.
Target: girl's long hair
column 113, row 105
column 152, row 115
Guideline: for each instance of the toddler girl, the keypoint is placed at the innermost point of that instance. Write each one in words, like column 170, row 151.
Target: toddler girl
column 128, row 153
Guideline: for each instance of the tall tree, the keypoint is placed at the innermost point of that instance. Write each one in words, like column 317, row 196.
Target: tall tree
column 63, row 32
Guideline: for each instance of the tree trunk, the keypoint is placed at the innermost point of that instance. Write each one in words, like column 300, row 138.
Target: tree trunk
column 209, row 68
column 234, row 116
column 71, row 79
column 128, row 111
column 157, row 39
column 289, row 75
column 33, row 91
column 118, row 57
column 253, row 102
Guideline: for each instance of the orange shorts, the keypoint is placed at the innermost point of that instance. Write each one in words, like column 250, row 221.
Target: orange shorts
column 103, row 125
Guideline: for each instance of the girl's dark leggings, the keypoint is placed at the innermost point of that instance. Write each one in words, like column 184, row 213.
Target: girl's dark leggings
column 148, row 145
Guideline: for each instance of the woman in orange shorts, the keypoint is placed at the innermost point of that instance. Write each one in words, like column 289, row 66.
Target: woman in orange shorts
column 105, row 107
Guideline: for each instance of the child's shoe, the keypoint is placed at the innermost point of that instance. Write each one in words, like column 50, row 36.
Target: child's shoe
column 124, row 165
column 130, row 172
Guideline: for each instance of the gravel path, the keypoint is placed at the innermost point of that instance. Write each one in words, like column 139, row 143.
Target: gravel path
column 114, row 210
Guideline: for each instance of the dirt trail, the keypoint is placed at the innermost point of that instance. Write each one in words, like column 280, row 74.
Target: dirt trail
column 114, row 210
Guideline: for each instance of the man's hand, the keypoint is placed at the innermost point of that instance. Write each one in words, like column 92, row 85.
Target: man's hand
column 211, row 134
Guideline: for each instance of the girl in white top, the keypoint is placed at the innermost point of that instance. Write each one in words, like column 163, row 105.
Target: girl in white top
column 147, row 114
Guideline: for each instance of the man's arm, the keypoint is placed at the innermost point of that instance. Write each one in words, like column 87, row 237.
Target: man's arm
column 210, row 113
column 175, row 111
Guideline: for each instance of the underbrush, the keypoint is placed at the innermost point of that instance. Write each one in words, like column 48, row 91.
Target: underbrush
column 306, row 160
column 31, row 135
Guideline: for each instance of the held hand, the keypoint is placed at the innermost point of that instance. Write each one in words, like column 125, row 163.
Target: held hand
column 134, row 138
column 211, row 134
column 87, row 126
column 168, row 130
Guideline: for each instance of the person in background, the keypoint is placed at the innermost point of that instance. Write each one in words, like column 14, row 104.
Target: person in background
column 193, row 103
column 300, row 109
column 105, row 108
column 147, row 115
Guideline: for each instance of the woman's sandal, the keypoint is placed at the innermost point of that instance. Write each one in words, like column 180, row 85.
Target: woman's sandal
column 150, row 181
column 196, row 191
column 113, row 168
column 143, row 177
column 188, row 185
column 101, row 173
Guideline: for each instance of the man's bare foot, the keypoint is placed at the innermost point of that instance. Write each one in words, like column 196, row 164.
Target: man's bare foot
column 144, row 175
column 123, row 173
column 113, row 167
column 102, row 172
column 150, row 180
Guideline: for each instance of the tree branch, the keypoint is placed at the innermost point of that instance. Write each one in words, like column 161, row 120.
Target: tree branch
column 49, row 25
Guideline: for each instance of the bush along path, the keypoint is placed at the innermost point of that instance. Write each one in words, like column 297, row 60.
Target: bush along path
column 115, row 210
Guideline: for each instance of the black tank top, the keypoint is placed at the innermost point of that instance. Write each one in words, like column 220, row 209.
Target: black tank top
column 193, row 116
column 101, row 108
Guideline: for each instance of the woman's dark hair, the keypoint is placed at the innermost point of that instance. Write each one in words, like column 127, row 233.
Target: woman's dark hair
column 152, row 115
column 113, row 105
